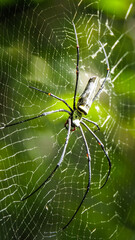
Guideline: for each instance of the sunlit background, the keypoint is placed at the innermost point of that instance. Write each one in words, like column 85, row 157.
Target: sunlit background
column 38, row 48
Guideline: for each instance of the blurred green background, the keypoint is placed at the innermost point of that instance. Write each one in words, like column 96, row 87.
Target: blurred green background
column 38, row 48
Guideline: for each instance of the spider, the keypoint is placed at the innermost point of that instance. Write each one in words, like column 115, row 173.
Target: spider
column 76, row 120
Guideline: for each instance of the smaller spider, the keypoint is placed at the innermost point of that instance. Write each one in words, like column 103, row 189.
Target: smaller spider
column 75, row 120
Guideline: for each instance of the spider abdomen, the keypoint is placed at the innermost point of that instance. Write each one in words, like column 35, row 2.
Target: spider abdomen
column 86, row 98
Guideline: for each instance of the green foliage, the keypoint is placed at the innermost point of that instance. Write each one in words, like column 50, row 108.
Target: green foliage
column 115, row 7
column 38, row 48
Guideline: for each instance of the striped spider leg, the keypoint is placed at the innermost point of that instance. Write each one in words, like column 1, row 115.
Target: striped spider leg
column 75, row 119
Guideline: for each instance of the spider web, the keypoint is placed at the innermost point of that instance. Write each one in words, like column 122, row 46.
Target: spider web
column 38, row 48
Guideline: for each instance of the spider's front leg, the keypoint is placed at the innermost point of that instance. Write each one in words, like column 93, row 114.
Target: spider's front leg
column 58, row 164
column 89, row 178
column 73, row 127
column 75, row 120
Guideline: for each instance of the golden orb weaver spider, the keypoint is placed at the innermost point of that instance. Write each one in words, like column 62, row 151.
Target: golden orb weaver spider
column 75, row 119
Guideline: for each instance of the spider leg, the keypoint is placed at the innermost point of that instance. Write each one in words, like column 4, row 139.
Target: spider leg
column 91, row 122
column 58, row 164
column 108, row 71
column 102, row 146
column 89, row 178
column 77, row 66
column 38, row 116
column 52, row 95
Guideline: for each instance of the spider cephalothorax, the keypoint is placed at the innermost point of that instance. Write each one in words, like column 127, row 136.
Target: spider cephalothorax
column 76, row 119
